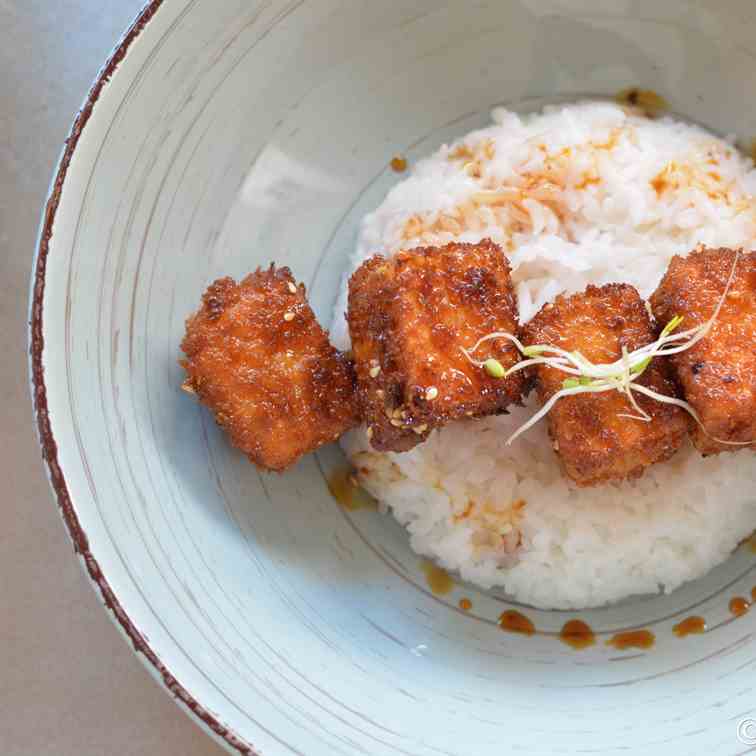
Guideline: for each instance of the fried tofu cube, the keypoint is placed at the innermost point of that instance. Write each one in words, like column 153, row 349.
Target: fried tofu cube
column 410, row 316
column 256, row 357
column 593, row 439
column 717, row 375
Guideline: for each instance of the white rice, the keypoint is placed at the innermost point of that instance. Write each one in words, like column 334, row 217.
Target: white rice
column 578, row 194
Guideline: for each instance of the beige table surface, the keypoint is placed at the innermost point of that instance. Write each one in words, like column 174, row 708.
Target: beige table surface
column 69, row 684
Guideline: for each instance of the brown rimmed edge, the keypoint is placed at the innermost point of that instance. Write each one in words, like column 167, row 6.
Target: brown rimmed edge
column 39, row 398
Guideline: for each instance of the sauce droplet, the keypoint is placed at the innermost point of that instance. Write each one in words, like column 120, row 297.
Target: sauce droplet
column 753, row 593
column 465, row 604
column 632, row 639
column 752, row 150
column 438, row 579
column 659, row 183
column 398, row 164
column 690, row 626
column 513, row 622
column 646, row 100
column 739, row 606
column 577, row 634
column 346, row 490
column 752, row 539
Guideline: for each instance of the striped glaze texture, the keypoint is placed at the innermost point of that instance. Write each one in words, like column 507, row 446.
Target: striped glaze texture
column 221, row 136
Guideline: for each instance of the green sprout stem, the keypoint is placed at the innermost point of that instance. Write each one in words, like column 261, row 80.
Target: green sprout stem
column 620, row 375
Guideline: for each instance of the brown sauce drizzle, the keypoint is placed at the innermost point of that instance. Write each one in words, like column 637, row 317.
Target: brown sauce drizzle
column 512, row 621
column 642, row 639
column 739, row 606
column 577, row 634
column 398, row 164
column 465, row 604
column 690, row 626
column 347, row 491
column 438, row 579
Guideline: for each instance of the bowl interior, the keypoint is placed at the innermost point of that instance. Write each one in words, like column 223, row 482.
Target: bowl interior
column 235, row 134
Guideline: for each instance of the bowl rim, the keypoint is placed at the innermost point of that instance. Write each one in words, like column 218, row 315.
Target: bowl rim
column 207, row 720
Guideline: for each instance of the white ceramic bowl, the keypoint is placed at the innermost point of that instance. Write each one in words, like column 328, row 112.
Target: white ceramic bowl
column 225, row 134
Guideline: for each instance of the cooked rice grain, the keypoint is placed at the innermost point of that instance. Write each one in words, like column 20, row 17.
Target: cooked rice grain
column 578, row 194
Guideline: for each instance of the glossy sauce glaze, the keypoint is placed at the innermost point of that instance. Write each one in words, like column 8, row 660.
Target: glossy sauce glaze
column 577, row 634
column 690, row 626
column 347, row 491
column 465, row 604
column 642, row 639
column 513, row 621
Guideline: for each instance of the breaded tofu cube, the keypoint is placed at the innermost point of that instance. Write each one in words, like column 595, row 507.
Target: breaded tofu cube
column 256, row 356
column 410, row 316
column 717, row 375
column 593, row 441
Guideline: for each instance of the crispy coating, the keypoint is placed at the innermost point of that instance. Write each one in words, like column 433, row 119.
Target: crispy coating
column 718, row 374
column 594, row 443
column 256, row 356
column 409, row 318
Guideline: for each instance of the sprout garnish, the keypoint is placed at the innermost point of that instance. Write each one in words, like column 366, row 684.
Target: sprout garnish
column 494, row 368
column 587, row 377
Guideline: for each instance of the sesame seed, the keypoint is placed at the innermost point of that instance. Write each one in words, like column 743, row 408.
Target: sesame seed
column 397, row 413
column 420, row 429
column 380, row 393
column 431, row 393
column 374, row 371
column 288, row 316
column 396, row 423
column 389, row 412
column 292, row 288
column 369, row 432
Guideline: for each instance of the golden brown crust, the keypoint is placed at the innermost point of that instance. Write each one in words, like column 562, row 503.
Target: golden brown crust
column 593, row 442
column 409, row 317
column 718, row 374
column 256, row 356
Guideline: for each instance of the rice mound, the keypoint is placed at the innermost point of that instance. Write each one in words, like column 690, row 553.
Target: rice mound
column 585, row 193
